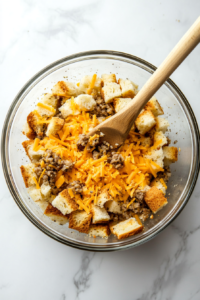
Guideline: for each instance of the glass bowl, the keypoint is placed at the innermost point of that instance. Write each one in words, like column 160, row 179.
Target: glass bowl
column 183, row 128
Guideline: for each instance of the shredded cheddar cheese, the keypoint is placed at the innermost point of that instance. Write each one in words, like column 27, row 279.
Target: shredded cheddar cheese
column 36, row 144
column 37, row 184
column 60, row 181
column 92, row 83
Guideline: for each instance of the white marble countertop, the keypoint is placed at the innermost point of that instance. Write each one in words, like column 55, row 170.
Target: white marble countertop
column 33, row 266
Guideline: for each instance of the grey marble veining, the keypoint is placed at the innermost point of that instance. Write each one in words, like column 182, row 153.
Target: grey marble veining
column 33, row 266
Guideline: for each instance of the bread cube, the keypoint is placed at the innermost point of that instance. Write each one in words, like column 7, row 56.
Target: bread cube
column 110, row 91
column 145, row 121
column 66, row 109
column 113, row 207
column 170, row 155
column 85, row 102
column 65, row 203
column 32, row 121
column 65, row 89
column 157, row 156
column 120, row 103
column 154, row 106
column 107, row 78
column 33, row 155
column 28, row 131
column 99, row 215
column 103, row 198
column 55, row 125
column 51, row 100
column 161, row 124
column 85, row 84
column 126, row 228
column 129, row 89
column 55, row 215
column 28, row 174
column 45, row 110
column 146, row 141
column 80, row 220
column 157, row 183
column 99, row 230
column 159, row 136
column 155, row 199
column 45, row 190
column 34, row 193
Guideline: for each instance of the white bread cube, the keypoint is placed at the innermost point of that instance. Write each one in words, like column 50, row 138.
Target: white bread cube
column 34, row 193
column 48, row 111
column 154, row 106
column 45, row 190
column 99, row 215
column 120, row 103
column 103, row 198
column 113, row 207
column 129, row 89
column 32, row 121
column 28, row 174
column 157, row 183
column 161, row 124
column 55, row 125
column 170, row 155
column 157, row 156
column 126, row 228
column 42, row 204
column 33, row 155
column 155, row 199
column 85, row 102
column 85, row 84
column 66, row 109
column 55, row 215
column 65, row 203
column 80, row 220
column 145, row 121
column 106, row 78
column 110, row 91
column 28, row 131
column 159, row 136
column 65, row 89
column 146, row 141
column 99, row 230
column 51, row 100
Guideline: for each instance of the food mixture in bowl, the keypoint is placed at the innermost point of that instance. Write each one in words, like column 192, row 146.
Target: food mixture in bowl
column 99, row 189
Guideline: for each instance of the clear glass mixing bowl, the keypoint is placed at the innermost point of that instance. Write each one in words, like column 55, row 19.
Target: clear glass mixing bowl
column 183, row 128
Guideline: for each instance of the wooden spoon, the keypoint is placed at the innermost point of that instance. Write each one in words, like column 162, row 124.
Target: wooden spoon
column 117, row 127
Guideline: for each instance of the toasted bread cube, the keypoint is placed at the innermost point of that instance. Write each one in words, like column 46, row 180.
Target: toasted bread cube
column 33, row 155
column 47, row 111
column 145, row 121
column 170, row 155
column 85, row 102
column 154, row 106
column 103, row 198
column 157, row 156
column 28, row 174
column 55, row 215
column 28, row 131
column 159, row 136
column 51, row 100
column 161, row 124
column 126, row 228
column 120, row 103
column 32, row 121
column 155, row 199
column 85, row 84
column 65, row 203
column 66, row 109
column 129, row 89
column 157, row 183
column 110, row 91
column 45, row 190
column 34, row 193
column 113, row 207
column 107, row 78
column 42, row 204
column 99, row 230
column 99, row 215
column 55, row 125
column 80, row 220
column 65, row 89
column 146, row 141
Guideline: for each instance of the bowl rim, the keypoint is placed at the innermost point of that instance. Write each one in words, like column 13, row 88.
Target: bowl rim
column 5, row 159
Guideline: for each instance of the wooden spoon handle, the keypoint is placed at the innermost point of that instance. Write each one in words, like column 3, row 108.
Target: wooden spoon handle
column 188, row 42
